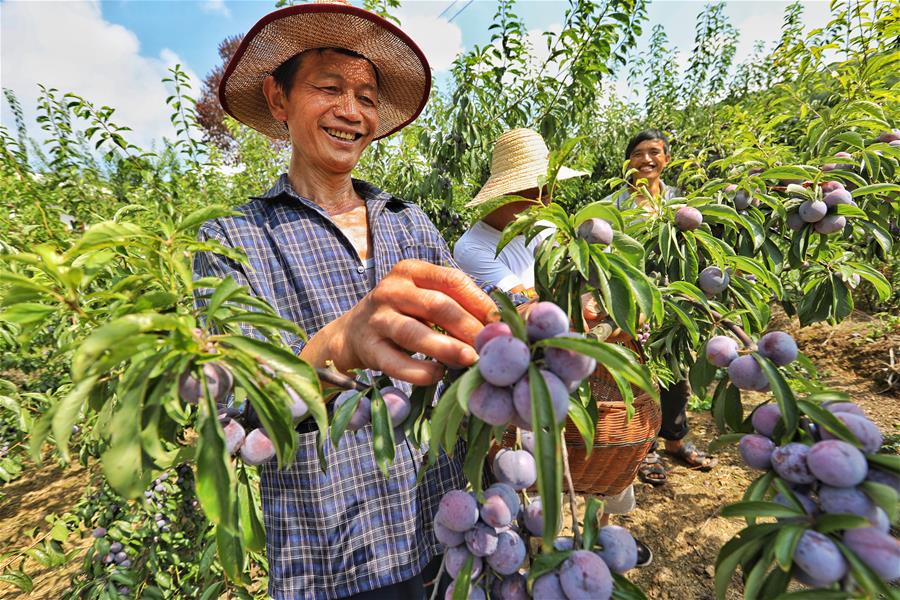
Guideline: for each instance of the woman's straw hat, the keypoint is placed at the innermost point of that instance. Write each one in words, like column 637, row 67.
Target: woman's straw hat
column 403, row 72
column 520, row 158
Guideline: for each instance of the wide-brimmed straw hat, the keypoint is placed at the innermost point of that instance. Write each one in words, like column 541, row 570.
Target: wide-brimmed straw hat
column 403, row 72
column 520, row 158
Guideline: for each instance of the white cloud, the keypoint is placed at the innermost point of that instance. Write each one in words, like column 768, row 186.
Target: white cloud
column 69, row 46
column 439, row 39
column 215, row 6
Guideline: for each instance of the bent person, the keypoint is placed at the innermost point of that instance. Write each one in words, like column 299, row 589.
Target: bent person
column 363, row 273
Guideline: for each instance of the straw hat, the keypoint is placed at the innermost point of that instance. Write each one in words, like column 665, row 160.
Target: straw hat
column 520, row 158
column 404, row 75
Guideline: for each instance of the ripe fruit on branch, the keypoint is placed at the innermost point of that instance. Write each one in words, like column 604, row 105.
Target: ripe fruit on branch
column 779, row 347
column 596, row 231
column 546, row 320
column 819, row 557
column 490, row 331
column 789, row 461
column 713, row 280
column 812, row 211
column 742, row 200
column 829, row 186
column 721, row 350
column 559, row 396
column 837, row 463
column 455, row 558
column 492, row 404
column 568, row 365
column 457, row 511
column 234, row 436
column 515, row 468
column 509, row 555
column 830, row 224
column 837, row 196
column 504, row 360
column 688, row 218
column 397, row 403
column 795, row 222
column 219, row 381
column 765, row 418
column 257, row 448
column 746, row 374
column 756, row 450
column 866, row 431
column 877, row 549
column 619, row 548
column 584, row 576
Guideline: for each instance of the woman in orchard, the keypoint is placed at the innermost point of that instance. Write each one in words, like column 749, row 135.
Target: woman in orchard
column 364, row 273
column 647, row 155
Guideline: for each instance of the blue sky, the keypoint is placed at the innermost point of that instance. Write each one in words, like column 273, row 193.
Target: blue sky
column 115, row 52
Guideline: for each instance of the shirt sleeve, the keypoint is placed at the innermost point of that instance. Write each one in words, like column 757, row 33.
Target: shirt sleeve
column 479, row 262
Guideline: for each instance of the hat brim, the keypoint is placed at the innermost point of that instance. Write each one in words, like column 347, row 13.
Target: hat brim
column 505, row 184
column 404, row 74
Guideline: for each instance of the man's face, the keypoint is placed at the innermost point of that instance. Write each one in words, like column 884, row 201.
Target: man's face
column 332, row 110
column 649, row 158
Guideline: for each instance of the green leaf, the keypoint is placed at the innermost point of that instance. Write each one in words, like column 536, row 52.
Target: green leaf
column 26, row 313
column 724, row 440
column 624, row 589
column 548, row 454
column 511, row 316
column 583, row 422
column 479, row 438
column 342, row 416
column 214, row 472
column 231, row 554
column 730, row 556
column 882, row 495
column 252, row 528
column 864, row 576
column 114, row 334
column 785, row 543
column 207, row 213
column 383, row 444
column 756, row 509
column 66, row 413
column 463, row 581
column 828, row 421
column 891, row 462
column 20, row 579
column 787, row 404
column 789, row 173
column 592, row 509
column 830, row 523
column 876, row 188
column 468, row 381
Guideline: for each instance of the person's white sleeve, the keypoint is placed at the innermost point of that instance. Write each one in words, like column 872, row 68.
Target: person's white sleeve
column 478, row 261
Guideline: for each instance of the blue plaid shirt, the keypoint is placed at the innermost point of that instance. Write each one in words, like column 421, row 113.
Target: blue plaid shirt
column 349, row 530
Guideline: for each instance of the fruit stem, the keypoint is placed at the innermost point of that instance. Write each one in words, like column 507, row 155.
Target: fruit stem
column 567, row 474
column 437, row 578
column 339, row 379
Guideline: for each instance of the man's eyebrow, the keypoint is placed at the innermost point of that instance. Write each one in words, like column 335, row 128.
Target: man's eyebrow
column 340, row 77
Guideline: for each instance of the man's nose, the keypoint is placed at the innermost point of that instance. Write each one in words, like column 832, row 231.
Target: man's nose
column 347, row 107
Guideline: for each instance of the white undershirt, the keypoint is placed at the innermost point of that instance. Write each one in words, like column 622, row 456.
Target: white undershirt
column 475, row 250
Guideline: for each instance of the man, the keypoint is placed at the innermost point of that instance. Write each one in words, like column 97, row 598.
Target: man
column 648, row 154
column 363, row 273
column 519, row 159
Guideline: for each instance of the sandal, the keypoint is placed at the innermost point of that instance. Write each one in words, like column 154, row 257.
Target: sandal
column 693, row 458
column 652, row 470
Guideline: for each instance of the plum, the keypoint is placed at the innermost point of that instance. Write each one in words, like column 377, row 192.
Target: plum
column 795, row 222
column 868, row 434
column 481, row 540
column 492, row 404
column 299, row 409
column 504, row 360
column 847, row 407
column 514, row 587
column 837, row 196
column 830, row 186
column 812, row 211
column 889, row 136
column 219, row 381
column 879, row 520
column 457, row 511
column 789, row 461
column 546, row 320
column 448, row 537
column 850, row 500
column 894, row 144
column 527, row 438
column 756, row 450
column 721, row 350
column 877, row 549
column 885, row 478
column 837, row 463
column 713, row 280
column 830, row 224
column 584, row 576
column 116, row 547
column 819, row 557
column 533, row 517
column 742, row 200
column 475, row 593
column 490, row 331
column 559, row 397
column 779, row 347
column 234, row 436
column 596, row 231
column 765, row 418
column 509, row 555
column 495, row 512
column 568, row 365
column 548, row 587
column 688, row 218
column 257, row 448
column 363, row 414
column 619, row 548
column 397, row 403
column 746, row 374
column 564, row 544
column 99, row 532
column 509, row 497
column 515, row 468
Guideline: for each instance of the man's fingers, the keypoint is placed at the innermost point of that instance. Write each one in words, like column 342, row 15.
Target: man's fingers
column 414, row 336
column 440, row 309
column 455, row 284
column 395, row 363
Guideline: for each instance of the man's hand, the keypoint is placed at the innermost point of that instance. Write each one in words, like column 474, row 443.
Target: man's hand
column 395, row 319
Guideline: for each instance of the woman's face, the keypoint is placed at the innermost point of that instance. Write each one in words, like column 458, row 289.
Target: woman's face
column 331, row 110
column 649, row 158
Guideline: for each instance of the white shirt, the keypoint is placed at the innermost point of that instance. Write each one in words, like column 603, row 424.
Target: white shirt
column 475, row 250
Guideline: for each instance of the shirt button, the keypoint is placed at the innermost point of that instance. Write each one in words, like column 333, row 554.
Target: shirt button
column 360, row 269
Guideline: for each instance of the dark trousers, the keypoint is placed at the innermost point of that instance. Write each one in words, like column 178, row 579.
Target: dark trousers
column 673, row 402
column 411, row 589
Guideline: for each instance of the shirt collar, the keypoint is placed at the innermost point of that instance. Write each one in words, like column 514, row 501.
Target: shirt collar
column 375, row 198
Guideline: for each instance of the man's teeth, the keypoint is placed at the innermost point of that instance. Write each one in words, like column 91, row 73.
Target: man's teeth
column 340, row 134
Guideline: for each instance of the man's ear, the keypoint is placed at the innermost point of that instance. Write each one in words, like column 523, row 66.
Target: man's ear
column 275, row 98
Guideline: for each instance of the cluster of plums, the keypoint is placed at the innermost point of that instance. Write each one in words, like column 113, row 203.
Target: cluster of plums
column 825, row 478
column 821, row 213
column 744, row 371
column 742, row 198
column 505, row 395
column 116, row 556
column 397, row 402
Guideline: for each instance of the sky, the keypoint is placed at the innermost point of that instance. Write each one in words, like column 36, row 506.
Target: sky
column 116, row 52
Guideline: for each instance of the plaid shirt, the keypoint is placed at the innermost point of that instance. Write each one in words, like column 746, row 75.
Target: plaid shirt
column 349, row 530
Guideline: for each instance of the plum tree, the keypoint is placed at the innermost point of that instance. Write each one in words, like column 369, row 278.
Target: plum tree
column 509, row 555
column 568, row 365
column 877, row 549
column 832, row 166
column 363, row 413
column 619, row 548
column 837, row 463
column 713, row 280
column 746, row 374
column 397, row 403
column 219, row 381
column 516, row 468
column 548, row 586
column 584, row 576
column 546, row 320
column 559, row 396
column 481, row 540
column 504, row 360
column 866, row 431
column 721, row 350
column 830, row 224
column 457, row 511
column 765, row 418
column 510, row 500
column 492, row 404
column 756, row 450
column 533, row 517
column 446, row 536
column 596, row 231
column 257, row 448
column 819, row 557
column 234, row 436
column 688, row 218
column 490, row 331
column 812, row 211
column 779, row 347
column 789, row 461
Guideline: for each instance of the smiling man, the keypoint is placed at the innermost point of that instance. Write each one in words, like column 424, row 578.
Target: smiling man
column 648, row 154
column 364, row 273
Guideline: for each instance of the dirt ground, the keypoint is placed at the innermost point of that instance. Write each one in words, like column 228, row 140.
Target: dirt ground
column 679, row 521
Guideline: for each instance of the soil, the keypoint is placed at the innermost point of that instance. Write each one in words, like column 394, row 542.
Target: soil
column 679, row 521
